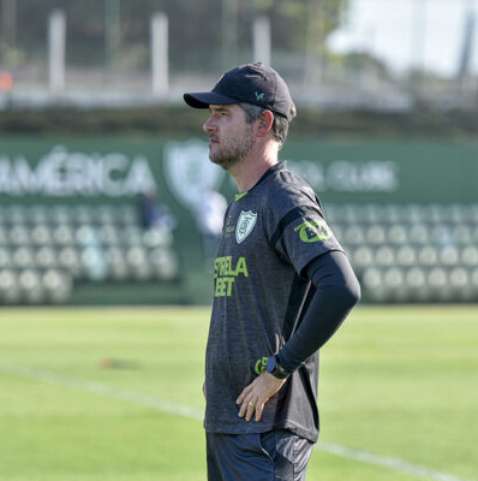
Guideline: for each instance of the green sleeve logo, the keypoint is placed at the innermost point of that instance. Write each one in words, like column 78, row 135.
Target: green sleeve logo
column 313, row 230
column 261, row 365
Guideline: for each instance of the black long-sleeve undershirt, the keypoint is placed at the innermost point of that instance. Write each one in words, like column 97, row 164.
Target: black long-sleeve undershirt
column 337, row 291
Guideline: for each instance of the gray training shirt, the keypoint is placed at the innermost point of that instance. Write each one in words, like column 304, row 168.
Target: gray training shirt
column 271, row 233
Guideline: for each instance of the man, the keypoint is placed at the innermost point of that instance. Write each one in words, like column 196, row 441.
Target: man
column 282, row 287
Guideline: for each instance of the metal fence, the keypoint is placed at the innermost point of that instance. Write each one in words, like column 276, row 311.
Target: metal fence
column 95, row 53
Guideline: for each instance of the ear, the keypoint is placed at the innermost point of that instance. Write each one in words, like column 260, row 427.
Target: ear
column 264, row 123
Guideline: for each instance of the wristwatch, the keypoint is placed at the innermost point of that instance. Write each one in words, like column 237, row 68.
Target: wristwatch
column 274, row 368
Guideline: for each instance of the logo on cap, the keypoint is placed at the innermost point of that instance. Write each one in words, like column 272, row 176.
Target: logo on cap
column 259, row 96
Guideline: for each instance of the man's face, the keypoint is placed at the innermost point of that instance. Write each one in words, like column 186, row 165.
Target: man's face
column 230, row 136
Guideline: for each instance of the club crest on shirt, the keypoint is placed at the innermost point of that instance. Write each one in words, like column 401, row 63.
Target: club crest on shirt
column 245, row 225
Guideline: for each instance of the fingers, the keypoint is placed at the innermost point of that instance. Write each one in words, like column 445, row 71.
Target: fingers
column 247, row 401
column 255, row 396
column 247, row 408
column 242, row 409
column 259, row 409
column 244, row 393
column 251, row 406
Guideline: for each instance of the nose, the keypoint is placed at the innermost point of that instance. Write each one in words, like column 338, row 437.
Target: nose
column 208, row 126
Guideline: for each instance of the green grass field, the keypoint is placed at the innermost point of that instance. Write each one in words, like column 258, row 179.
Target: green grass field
column 115, row 395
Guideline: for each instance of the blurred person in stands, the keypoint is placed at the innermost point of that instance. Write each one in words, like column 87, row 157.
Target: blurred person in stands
column 152, row 214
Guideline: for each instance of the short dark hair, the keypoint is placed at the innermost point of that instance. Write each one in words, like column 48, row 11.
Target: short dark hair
column 280, row 126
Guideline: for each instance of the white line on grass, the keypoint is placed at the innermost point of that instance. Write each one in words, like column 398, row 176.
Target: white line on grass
column 395, row 464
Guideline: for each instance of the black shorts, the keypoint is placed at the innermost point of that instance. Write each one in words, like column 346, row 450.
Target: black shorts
column 273, row 456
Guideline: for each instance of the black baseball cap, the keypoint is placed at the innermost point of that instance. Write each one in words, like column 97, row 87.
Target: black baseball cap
column 254, row 84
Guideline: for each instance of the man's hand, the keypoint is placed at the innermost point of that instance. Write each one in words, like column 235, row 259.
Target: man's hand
column 254, row 396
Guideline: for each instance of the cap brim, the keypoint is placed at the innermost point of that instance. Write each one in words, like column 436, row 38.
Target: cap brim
column 202, row 100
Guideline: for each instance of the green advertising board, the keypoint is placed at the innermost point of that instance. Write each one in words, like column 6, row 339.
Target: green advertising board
column 109, row 170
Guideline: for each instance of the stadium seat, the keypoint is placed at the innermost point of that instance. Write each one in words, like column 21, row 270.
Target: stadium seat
column 384, row 256
column 157, row 237
column 397, row 234
column 415, row 214
column 58, row 286
column 391, row 214
column 85, row 235
column 461, row 234
column 434, row 214
column 449, row 256
column 15, row 215
column 126, row 215
column 338, row 231
column 116, row 263
column 416, row 281
column 454, row 214
column 373, row 214
column 427, row 256
column 474, row 280
column 136, row 256
column 138, row 262
column 93, row 263
column 164, row 264
column 351, row 214
column 19, row 235
column 46, row 258
column 63, row 235
column 61, row 215
column 394, row 282
column 375, row 235
column 4, row 239
column 40, row 235
column 418, row 234
column 69, row 259
column 406, row 256
column 473, row 214
column 23, row 258
column 9, row 290
column 372, row 285
column 30, row 286
column 460, row 284
column 469, row 256
column 362, row 257
column 105, row 215
column 108, row 235
column 116, row 266
column 82, row 214
column 353, row 235
column 441, row 234
column 331, row 210
column 5, row 257
column 131, row 236
column 438, row 281
column 38, row 214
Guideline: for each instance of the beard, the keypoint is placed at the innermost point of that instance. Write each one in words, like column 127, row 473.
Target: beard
column 233, row 151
